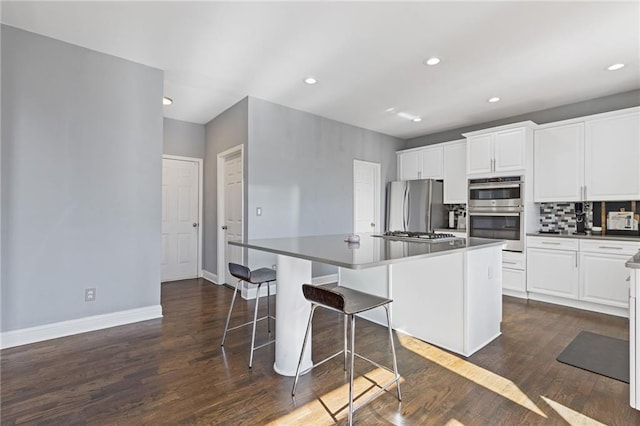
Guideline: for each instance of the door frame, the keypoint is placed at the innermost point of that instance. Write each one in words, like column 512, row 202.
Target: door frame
column 221, row 218
column 377, row 189
column 199, row 162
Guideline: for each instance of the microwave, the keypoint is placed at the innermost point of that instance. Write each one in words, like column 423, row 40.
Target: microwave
column 495, row 193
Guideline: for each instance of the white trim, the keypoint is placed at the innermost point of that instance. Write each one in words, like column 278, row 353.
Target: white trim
column 39, row 333
column 324, row 279
column 200, row 164
column 221, row 157
column 210, row 276
column 580, row 304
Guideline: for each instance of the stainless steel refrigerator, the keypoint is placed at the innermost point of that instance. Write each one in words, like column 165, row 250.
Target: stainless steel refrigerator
column 415, row 206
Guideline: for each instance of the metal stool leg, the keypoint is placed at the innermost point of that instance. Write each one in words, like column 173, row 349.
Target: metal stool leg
column 233, row 300
column 344, row 320
column 393, row 352
column 353, row 342
column 255, row 320
column 268, row 308
column 304, row 345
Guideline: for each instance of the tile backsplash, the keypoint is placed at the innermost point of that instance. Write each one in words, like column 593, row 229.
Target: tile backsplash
column 562, row 216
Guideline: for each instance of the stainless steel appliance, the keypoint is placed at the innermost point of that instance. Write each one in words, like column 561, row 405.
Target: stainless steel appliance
column 495, row 192
column 496, row 210
column 415, row 206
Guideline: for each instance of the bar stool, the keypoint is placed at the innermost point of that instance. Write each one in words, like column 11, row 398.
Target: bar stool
column 256, row 277
column 349, row 302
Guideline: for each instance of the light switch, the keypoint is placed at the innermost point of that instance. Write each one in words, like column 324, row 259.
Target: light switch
column 258, row 211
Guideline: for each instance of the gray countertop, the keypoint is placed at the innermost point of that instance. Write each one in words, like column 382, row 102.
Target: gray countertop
column 370, row 252
column 634, row 262
column 587, row 237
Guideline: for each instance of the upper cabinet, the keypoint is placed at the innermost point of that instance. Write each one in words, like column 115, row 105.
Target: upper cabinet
column 612, row 158
column 558, row 166
column 421, row 163
column 446, row 161
column 499, row 151
column 591, row 159
column 455, row 173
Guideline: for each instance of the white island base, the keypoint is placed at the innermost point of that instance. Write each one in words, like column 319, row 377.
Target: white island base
column 453, row 300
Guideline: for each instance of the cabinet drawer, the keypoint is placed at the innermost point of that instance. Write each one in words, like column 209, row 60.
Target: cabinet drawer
column 513, row 279
column 553, row 243
column 608, row 246
column 513, row 260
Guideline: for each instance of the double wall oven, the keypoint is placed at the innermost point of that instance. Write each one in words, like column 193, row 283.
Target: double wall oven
column 495, row 210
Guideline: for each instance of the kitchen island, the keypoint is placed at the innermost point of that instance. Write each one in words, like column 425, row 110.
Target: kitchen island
column 447, row 292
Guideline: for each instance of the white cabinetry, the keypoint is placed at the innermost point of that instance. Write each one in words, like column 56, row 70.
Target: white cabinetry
column 582, row 273
column 558, row 166
column 552, row 267
column 612, row 155
column 594, row 158
column 421, row 163
column 513, row 274
column 603, row 275
column 498, row 151
column 455, row 174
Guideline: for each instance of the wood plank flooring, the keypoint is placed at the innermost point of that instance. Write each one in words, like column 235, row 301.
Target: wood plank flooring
column 173, row 371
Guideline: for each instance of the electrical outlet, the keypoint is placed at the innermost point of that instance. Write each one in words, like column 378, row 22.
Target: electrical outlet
column 89, row 294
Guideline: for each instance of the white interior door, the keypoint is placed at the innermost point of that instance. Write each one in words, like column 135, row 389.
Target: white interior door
column 180, row 215
column 366, row 196
column 233, row 217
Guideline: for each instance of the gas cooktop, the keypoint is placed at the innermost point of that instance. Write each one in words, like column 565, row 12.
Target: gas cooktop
column 418, row 236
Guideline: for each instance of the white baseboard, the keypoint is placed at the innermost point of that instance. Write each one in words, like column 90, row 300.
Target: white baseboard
column 39, row 333
column 209, row 276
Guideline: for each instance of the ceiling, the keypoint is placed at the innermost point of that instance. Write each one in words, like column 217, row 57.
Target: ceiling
column 367, row 56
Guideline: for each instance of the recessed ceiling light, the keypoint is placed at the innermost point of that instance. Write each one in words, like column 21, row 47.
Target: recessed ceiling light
column 432, row 61
column 392, row 109
column 494, row 99
column 310, row 80
column 167, row 101
column 417, row 119
column 615, row 67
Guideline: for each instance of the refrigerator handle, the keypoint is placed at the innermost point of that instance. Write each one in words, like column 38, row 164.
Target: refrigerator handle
column 428, row 212
column 405, row 206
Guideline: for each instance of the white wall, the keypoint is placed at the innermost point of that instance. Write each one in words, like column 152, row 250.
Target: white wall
column 81, row 181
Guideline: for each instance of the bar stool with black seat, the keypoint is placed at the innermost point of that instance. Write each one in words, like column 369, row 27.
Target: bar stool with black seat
column 256, row 277
column 349, row 302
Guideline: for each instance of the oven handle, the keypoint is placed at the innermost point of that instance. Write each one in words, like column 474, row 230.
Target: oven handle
column 493, row 185
column 495, row 213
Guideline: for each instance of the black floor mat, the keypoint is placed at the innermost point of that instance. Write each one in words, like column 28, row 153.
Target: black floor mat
column 599, row 354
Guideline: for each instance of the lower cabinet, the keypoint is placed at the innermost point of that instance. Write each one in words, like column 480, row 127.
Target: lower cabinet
column 514, row 281
column 553, row 272
column 583, row 273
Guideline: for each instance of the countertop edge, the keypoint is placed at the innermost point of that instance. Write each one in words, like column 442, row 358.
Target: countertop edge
column 486, row 243
column 634, row 262
column 633, row 239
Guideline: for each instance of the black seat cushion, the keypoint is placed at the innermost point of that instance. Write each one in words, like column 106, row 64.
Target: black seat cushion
column 343, row 299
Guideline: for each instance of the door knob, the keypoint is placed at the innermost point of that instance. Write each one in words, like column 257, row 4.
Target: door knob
column 224, row 227
column 195, row 225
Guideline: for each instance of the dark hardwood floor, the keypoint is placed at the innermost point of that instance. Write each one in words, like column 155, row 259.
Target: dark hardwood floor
column 173, row 371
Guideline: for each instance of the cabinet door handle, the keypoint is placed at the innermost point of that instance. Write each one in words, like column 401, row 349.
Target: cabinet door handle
column 509, row 263
column 628, row 279
column 610, row 247
column 576, row 259
column 552, row 243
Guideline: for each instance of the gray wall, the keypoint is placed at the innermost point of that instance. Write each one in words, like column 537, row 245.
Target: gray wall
column 300, row 171
column 183, row 138
column 565, row 112
column 81, row 181
column 227, row 130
